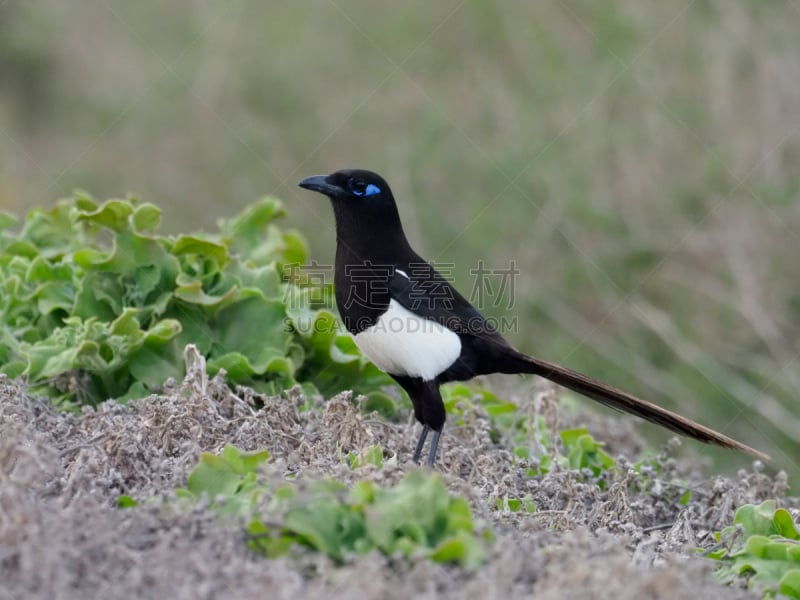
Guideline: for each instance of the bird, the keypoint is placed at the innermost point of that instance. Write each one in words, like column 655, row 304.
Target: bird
column 414, row 325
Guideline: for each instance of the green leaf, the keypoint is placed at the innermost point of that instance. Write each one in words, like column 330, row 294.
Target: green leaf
column 459, row 516
column 585, row 452
column 295, row 248
column 147, row 218
column 163, row 331
column 112, row 214
column 452, row 549
column 756, row 520
column 229, row 475
column 246, row 229
column 254, row 328
column 126, row 502
column 381, row 403
column 784, row 525
column 317, row 526
column 789, row 584
column 243, row 462
column 262, row 541
column 83, row 201
column 206, row 248
column 213, row 476
column 153, row 365
column 193, row 293
column 371, row 455
column 497, row 408
column 7, row 220
column 570, row 436
column 362, row 492
column 460, row 548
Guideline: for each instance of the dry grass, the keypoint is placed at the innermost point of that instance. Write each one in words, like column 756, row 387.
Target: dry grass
column 62, row 537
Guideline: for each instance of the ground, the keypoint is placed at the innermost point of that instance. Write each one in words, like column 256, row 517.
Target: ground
column 62, row 536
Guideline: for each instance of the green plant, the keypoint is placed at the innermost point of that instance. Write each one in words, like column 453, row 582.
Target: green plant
column 580, row 450
column 513, row 505
column 764, row 546
column 584, row 452
column 95, row 304
column 416, row 516
column 370, row 455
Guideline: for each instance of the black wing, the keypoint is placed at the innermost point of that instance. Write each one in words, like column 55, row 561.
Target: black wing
column 420, row 288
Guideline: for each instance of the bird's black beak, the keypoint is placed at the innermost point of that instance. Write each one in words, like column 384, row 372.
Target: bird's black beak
column 319, row 183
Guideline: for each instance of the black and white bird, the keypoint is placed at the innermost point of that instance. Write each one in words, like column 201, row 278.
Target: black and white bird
column 414, row 325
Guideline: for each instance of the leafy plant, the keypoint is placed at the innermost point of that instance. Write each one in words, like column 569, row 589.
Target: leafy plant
column 504, row 415
column 764, row 547
column 416, row 516
column 516, row 504
column 584, row 452
column 95, row 304
column 370, row 455
column 229, row 479
column 580, row 451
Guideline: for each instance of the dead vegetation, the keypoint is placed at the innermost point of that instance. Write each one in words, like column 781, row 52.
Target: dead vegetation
column 62, row 536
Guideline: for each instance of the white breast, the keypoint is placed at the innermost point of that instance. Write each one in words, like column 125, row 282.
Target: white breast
column 401, row 343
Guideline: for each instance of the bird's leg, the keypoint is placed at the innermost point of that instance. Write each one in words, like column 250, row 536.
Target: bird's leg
column 434, row 447
column 421, row 443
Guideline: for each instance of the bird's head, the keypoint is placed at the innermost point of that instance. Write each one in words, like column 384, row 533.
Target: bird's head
column 352, row 186
column 365, row 210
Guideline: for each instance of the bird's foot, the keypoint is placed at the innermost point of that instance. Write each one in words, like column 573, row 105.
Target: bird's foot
column 421, row 444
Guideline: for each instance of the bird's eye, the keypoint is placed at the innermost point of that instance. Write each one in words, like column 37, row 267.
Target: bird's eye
column 359, row 187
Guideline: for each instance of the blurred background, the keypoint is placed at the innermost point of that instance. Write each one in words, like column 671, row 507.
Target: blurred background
column 638, row 162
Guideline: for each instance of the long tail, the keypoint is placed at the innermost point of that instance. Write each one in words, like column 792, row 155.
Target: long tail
column 619, row 400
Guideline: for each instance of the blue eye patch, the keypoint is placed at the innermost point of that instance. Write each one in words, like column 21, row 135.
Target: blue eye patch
column 370, row 190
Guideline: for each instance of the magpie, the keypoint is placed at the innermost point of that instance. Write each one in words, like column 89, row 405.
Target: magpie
column 414, row 325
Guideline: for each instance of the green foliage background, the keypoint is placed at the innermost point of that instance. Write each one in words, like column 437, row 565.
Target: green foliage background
column 638, row 162
column 95, row 304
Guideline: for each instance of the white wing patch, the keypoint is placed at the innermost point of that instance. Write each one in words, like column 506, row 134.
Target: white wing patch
column 402, row 343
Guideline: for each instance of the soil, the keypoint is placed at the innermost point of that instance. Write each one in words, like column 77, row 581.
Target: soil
column 62, row 535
